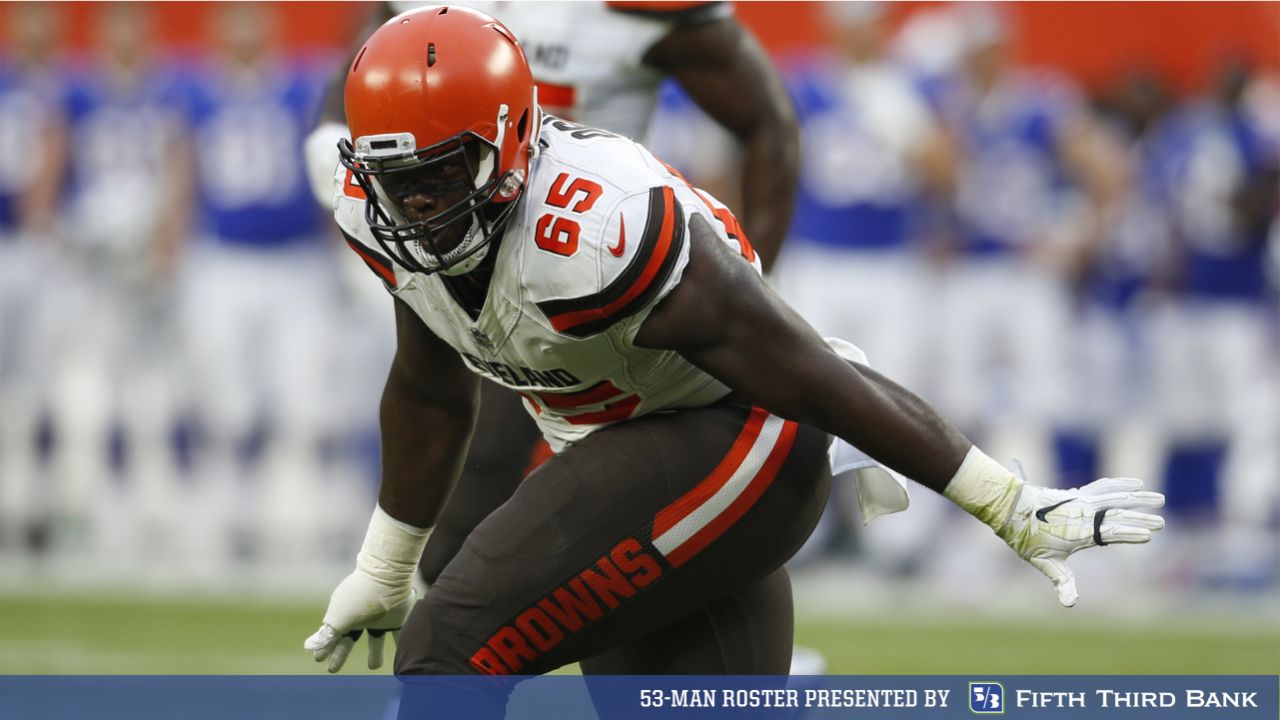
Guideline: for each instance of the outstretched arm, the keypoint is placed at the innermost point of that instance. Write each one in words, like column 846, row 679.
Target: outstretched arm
column 716, row 318
column 718, row 315
column 724, row 70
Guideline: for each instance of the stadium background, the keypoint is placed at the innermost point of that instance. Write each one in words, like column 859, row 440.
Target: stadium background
column 74, row 598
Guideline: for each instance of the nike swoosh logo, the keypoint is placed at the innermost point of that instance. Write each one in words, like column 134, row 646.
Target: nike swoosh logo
column 616, row 250
column 1042, row 512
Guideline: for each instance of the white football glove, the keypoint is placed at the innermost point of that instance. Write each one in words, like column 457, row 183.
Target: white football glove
column 1048, row 525
column 1045, row 525
column 376, row 597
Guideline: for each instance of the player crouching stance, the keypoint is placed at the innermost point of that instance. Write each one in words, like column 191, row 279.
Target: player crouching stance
column 690, row 407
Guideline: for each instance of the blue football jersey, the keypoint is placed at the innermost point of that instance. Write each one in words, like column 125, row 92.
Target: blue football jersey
column 27, row 104
column 1140, row 236
column 1010, row 182
column 859, row 126
column 118, row 134
column 248, row 134
column 1209, row 156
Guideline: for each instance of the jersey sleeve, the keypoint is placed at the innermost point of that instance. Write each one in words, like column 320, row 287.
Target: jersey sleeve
column 641, row 252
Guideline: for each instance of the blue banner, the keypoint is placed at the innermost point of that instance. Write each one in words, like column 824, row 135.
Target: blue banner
column 568, row 697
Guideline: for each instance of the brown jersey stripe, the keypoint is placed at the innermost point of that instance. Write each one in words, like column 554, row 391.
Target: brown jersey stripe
column 653, row 263
column 377, row 262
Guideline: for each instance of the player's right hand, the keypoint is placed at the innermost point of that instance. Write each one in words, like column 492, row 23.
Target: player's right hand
column 360, row 603
column 376, row 597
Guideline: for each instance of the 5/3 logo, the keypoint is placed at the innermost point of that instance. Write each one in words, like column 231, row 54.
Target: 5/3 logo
column 986, row 698
column 558, row 234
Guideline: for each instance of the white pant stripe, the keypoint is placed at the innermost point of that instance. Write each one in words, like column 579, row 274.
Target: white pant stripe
column 742, row 476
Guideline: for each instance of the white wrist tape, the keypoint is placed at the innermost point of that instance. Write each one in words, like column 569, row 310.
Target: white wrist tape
column 391, row 549
column 984, row 488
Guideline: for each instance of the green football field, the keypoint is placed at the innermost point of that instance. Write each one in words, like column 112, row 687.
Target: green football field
column 117, row 635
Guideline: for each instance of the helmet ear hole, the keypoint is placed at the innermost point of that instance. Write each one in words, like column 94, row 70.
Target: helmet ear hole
column 522, row 126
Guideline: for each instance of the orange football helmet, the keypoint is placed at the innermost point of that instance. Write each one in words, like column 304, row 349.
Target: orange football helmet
column 437, row 90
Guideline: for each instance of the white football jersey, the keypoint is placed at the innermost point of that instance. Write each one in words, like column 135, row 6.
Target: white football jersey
column 598, row 238
column 587, row 57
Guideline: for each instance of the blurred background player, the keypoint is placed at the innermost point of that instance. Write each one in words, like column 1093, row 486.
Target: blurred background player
column 32, row 144
column 1216, row 331
column 124, row 218
column 1109, row 418
column 872, row 153
column 1031, row 186
column 854, row 265
column 257, row 291
column 601, row 64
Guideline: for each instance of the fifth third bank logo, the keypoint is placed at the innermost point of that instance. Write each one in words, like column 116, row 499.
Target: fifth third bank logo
column 986, row 698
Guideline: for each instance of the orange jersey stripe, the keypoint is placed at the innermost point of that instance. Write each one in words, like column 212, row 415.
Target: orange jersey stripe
column 731, row 225
column 558, row 96
column 593, row 395
column 351, row 188
column 568, row 320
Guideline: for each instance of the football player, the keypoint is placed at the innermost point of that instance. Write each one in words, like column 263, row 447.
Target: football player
column 1215, row 335
column 688, row 406
column 1109, row 418
column 1032, row 182
column 601, row 63
column 126, row 213
column 255, row 350
column 854, row 265
column 32, row 151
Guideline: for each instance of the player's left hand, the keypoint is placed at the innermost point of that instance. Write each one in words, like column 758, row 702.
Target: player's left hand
column 1048, row 525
